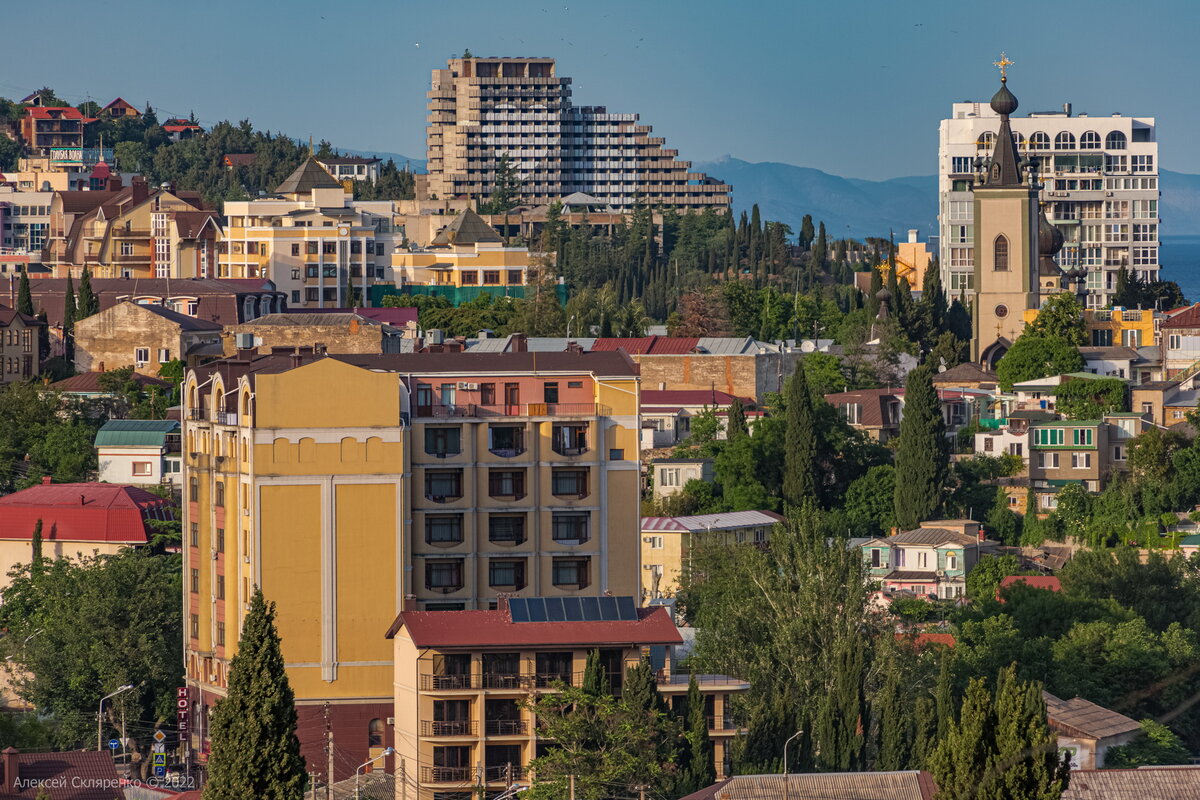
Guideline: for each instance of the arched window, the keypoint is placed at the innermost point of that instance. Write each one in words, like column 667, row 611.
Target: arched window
column 1115, row 141
column 1000, row 253
column 1018, row 140
column 1039, row 141
column 375, row 733
column 1064, row 141
column 1089, row 141
column 986, row 141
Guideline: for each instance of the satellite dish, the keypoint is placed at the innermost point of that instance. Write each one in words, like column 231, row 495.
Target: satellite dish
column 807, row 346
column 941, row 365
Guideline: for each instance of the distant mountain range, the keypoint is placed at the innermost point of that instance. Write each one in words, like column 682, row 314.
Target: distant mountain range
column 860, row 208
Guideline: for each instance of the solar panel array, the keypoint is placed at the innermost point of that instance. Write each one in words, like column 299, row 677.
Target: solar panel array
column 572, row 609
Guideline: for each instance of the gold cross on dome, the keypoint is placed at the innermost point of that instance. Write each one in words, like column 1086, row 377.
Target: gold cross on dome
column 1004, row 63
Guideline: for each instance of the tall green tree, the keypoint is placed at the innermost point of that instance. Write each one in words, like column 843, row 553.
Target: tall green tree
column 35, row 548
column 255, row 752
column 735, row 425
column 505, row 188
column 1060, row 317
column 923, row 452
column 595, row 681
column 24, row 295
column 699, row 771
column 89, row 303
column 70, row 311
column 800, row 465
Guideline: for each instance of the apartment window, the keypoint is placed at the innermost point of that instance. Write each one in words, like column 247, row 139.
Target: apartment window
column 491, row 277
column 194, row 490
column 296, row 249
column 444, row 575
column 194, row 534
column 1141, row 163
column 443, row 485
column 143, row 468
column 961, row 210
column 487, row 394
column 1119, row 453
column 1102, row 337
column 1000, row 253
column 506, row 573
column 986, row 141
column 961, row 164
column 506, row 483
column 220, row 634
column 310, row 248
column 312, row 294
column 569, row 440
column 220, row 587
column 961, row 234
column 1064, row 141
column 1115, row 163
column 569, row 482
column 195, row 581
column 1081, row 437
column 570, row 572
column 443, row 528
column 1116, row 140
column 127, row 248
column 1090, row 140
column 506, row 528
column 1081, row 460
column 1048, row 460
column 220, row 540
column 962, row 280
column 506, row 440
column 550, row 392
column 194, row 626
column 328, row 248
column 219, row 493
column 375, row 731
column 875, row 557
column 1049, row 437
column 569, row 527
column 1174, row 342
column 1145, row 256
column 1116, row 233
column 470, row 277
column 1039, row 141
column 141, row 355
column 1145, row 209
column 515, row 278
column 443, row 442
column 656, row 543
column 295, row 295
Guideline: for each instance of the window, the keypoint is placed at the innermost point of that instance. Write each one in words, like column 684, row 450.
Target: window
column 952, row 561
column 514, row 277
column 195, row 581
column 961, row 280
column 550, row 392
column 506, row 440
column 986, row 141
column 961, row 211
column 961, row 164
column 143, row 468
column 1048, row 437
column 127, row 248
column 470, row 277
column 141, row 355
column 1064, row 141
column 1116, row 140
column 220, row 634
column 310, row 248
column 569, row 527
column 1081, row 460
column 375, row 732
column 569, row 482
column 443, row 442
column 506, row 528
column 1141, row 163
column 572, row 572
column 1000, row 253
column 506, row 573
column 1089, row 141
column 506, row 483
column 312, row 295
column 1115, row 164
column 569, row 440
column 1119, row 453
column 1174, row 342
column 1102, row 337
column 329, row 248
column 1145, row 209
column 443, row 528
column 491, row 277
column 194, row 626
column 875, row 557
column 656, row 543
column 669, row 477
column 295, row 295
column 296, row 249
column 220, row 540
column 443, row 485
column 1116, row 233
column 444, row 575
column 220, row 587
column 194, row 534
column 487, row 394
column 1081, row 436
column 1048, row 460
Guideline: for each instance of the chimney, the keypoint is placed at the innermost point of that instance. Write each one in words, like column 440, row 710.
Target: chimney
column 12, row 762
column 912, row 235
column 100, row 367
column 1067, row 109
column 410, row 602
column 502, row 603
column 519, row 343
column 575, row 347
column 141, row 190
column 47, row 480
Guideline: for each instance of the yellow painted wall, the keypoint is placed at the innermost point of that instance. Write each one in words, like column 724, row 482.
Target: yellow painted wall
column 366, row 557
column 335, row 394
column 291, row 547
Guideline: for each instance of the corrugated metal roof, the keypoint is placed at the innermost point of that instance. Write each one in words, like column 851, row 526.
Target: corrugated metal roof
column 726, row 345
column 648, row 345
column 909, row 785
column 135, row 432
column 1146, row 783
column 1079, row 717
column 457, row 629
column 711, row 522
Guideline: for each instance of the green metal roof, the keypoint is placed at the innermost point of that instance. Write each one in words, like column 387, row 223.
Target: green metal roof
column 136, row 432
column 1194, row 539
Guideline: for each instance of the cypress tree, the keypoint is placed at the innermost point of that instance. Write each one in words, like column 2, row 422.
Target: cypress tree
column 964, row 756
column 895, row 721
column 925, row 733
column 68, row 325
column 735, row 427
column 923, row 454
column 1027, row 750
column 24, row 295
column 255, row 752
column 595, row 682
column 700, row 770
column 88, row 304
column 640, row 690
column 36, row 549
column 800, row 461
column 837, row 730
column 944, row 696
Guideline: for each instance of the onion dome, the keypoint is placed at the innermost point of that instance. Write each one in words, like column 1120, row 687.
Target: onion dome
column 1050, row 238
column 1004, row 101
column 883, row 295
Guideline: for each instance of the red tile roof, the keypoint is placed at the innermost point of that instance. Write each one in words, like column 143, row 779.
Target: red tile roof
column 923, row 640
column 73, row 775
column 649, row 345
column 470, row 629
column 1187, row 318
column 81, row 512
column 1036, row 581
column 55, row 112
column 689, row 397
column 89, row 383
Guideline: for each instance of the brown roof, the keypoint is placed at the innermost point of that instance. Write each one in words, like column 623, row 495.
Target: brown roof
column 190, row 223
column 907, row 785
column 909, row 575
column 470, row 629
column 89, row 383
column 1147, row 783
column 966, row 372
column 308, row 176
column 466, row 228
column 873, row 405
column 1085, row 719
column 217, row 300
column 1188, row 318
column 83, row 202
column 615, row 363
column 932, row 537
column 10, row 315
column 73, row 775
column 184, row 322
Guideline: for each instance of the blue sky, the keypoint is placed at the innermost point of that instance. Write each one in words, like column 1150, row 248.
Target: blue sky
column 851, row 87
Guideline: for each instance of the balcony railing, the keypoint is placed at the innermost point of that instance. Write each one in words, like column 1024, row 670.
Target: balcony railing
column 446, row 774
column 458, row 727
column 514, row 410
column 505, row 681
column 504, row 727
column 721, row 723
column 227, row 417
column 503, row 772
column 683, row 678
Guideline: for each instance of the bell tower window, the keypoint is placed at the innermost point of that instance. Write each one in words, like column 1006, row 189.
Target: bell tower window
column 1000, row 254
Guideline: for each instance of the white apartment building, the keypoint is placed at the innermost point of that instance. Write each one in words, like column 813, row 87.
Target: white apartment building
column 1099, row 180
column 24, row 222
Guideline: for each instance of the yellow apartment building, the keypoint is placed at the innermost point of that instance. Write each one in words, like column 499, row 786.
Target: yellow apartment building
column 461, row 678
column 667, row 543
column 440, row 479
column 320, row 246
column 467, row 252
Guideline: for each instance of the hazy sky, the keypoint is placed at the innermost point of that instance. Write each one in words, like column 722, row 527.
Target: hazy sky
column 851, row 87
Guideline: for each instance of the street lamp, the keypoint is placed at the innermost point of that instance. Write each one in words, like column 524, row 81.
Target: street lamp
column 368, row 762
column 785, row 747
column 100, row 711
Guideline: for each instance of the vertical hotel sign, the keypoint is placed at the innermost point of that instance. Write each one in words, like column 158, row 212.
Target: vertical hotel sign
column 182, row 710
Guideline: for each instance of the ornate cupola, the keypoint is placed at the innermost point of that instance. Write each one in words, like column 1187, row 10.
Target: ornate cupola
column 1004, row 169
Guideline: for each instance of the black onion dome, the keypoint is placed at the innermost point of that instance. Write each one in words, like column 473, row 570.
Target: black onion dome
column 1004, row 101
column 1050, row 238
column 883, row 295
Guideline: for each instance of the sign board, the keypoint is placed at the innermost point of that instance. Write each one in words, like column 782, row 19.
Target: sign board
column 159, row 759
column 114, row 744
column 182, row 706
column 158, row 747
column 159, row 736
column 160, row 772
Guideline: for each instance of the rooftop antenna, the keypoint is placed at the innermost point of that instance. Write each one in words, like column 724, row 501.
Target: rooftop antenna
column 310, row 145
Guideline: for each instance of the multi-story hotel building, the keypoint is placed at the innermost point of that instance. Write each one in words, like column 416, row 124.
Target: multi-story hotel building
column 483, row 108
column 1099, row 184
column 462, row 677
column 317, row 244
column 467, row 252
column 442, row 480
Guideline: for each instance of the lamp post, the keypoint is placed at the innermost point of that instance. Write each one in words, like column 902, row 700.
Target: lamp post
column 785, row 747
column 100, row 712
column 368, row 762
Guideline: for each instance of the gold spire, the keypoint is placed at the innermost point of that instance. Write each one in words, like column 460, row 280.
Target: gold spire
column 1004, row 63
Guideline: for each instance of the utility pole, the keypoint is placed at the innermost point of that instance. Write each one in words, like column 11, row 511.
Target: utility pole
column 403, row 779
column 571, row 779
column 328, row 750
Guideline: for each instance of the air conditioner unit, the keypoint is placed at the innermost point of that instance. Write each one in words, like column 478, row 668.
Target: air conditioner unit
column 244, row 341
column 391, row 720
column 1108, row 194
column 941, row 573
column 647, row 539
column 647, row 566
column 468, row 387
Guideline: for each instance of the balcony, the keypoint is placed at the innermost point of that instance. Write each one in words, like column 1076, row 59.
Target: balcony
column 447, row 774
column 448, row 683
column 227, row 417
column 457, row 727
column 720, row 723
column 504, row 727
column 504, row 772
column 513, row 410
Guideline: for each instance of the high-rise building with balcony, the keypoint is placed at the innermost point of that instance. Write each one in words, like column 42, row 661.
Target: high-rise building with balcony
column 350, row 487
column 1099, row 187
column 483, row 108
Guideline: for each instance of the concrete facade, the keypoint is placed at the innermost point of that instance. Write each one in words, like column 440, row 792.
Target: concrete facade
column 143, row 336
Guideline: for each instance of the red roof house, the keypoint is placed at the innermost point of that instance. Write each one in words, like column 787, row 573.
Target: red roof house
column 91, row 513
column 1047, row 582
column 120, row 108
column 72, row 775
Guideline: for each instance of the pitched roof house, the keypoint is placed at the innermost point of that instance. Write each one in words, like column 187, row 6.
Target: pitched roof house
column 1145, row 783
column 1087, row 730
column 906, row 785
column 71, row 775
